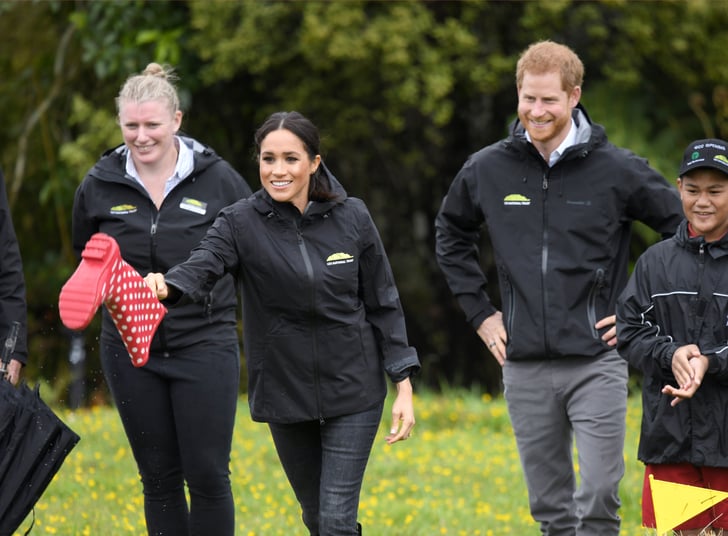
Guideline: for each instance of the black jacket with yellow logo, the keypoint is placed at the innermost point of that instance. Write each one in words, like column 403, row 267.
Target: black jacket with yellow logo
column 560, row 236
column 322, row 316
column 678, row 295
column 152, row 240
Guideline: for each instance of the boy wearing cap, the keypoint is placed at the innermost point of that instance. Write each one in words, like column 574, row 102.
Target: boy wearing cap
column 672, row 324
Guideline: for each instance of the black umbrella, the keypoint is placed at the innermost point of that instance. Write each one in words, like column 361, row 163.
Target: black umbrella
column 34, row 442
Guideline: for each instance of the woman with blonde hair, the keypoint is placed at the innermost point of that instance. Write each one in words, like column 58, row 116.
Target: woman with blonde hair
column 155, row 196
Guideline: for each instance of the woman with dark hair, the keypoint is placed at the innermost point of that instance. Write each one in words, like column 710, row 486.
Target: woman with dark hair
column 323, row 321
column 320, row 189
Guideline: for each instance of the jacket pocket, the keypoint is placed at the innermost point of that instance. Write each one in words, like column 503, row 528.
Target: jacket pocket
column 591, row 306
column 283, row 375
column 348, row 353
column 509, row 302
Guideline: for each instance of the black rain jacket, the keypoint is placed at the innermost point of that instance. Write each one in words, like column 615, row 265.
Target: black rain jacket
column 321, row 313
column 678, row 295
column 152, row 240
column 560, row 236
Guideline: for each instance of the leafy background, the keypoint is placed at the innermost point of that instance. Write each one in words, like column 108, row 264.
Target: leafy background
column 403, row 91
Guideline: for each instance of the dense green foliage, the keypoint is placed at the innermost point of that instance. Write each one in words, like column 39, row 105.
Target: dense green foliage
column 403, row 91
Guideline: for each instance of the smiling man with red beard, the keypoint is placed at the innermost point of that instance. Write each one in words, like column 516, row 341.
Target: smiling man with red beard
column 557, row 200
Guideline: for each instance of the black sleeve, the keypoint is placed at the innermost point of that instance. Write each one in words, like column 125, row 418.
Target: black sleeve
column 13, row 307
column 457, row 231
column 641, row 341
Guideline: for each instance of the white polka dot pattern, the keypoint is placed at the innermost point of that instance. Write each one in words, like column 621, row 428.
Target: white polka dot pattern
column 135, row 310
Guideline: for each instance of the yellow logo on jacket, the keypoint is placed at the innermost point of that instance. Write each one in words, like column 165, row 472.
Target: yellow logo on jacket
column 123, row 209
column 516, row 199
column 339, row 258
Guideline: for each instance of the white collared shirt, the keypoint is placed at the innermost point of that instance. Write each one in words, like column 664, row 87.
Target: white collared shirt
column 185, row 165
column 569, row 140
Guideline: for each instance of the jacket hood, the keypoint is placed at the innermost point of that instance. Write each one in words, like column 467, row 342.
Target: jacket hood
column 334, row 183
column 715, row 249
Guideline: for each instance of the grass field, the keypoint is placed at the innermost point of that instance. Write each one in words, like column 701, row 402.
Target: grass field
column 458, row 475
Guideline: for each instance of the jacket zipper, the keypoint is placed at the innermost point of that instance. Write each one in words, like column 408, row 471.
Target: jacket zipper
column 544, row 259
column 309, row 273
column 701, row 304
column 153, row 257
column 591, row 311
column 511, row 301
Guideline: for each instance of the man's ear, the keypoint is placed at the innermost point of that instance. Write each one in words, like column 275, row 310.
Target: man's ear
column 574, row 96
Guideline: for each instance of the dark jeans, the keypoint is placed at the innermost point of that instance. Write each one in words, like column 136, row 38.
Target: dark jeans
column 325, row 465
column 178, row 412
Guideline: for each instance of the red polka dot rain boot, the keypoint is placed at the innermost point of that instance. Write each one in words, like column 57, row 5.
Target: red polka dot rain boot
column 104, row 277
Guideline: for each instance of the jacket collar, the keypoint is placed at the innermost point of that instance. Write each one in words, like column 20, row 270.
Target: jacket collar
column 588, row 134
column 716, row 249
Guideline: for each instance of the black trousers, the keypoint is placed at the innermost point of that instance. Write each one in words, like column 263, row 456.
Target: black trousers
column 178, row 412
